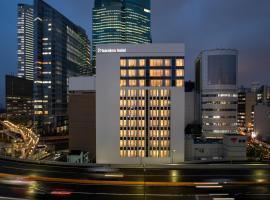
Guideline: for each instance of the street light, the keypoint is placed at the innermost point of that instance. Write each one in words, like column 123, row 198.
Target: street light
column 253, row 135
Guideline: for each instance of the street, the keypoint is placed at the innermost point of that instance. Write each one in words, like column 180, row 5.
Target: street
column 32, row 181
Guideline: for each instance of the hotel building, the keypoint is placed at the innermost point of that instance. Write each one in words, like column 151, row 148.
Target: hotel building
column 216, row 91
column 140, row 103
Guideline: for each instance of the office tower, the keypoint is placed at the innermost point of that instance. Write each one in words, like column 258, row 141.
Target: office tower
column 241, row 109
column 82, row 115
column 19, row 99
column 60, row 52
column 86, row 68
column 121, row 21
column 263, row 94
column 25, row 34
column 140, row 103
column 216, row 91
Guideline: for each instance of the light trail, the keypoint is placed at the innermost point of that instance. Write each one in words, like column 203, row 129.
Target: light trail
column 29, row 137
column 131, row 183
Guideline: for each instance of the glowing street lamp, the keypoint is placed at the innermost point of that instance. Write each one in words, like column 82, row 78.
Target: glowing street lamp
column 253, row 135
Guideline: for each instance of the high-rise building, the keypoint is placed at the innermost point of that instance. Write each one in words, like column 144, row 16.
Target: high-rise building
column 19, row 99
column 25, row 34
column 140, row 103
column 241, row 109
column 121, row 21
column 247, row 99
column 263, row 94
column 250, row 103
column 61, row 50
column 216, row 91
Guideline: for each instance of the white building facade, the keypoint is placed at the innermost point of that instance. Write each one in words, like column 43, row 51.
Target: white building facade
column 262, row 121
column 140, row 104
column 216, row 91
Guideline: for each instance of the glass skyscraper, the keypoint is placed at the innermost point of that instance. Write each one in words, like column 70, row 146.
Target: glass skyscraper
column 121, row 21
column 25, row 34
column 62, row 49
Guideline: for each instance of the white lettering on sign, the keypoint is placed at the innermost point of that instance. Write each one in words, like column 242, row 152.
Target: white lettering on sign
column 122, row 50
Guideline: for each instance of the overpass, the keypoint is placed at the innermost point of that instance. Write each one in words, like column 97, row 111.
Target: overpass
column 30, row 139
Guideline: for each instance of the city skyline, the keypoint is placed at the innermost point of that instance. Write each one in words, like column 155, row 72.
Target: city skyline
column 137, row 99
column 224, row 27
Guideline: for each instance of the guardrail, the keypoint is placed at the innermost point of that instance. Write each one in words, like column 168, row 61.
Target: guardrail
column 191, row 165
column 55, row 163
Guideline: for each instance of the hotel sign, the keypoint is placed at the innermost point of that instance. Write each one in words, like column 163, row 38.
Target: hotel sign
column 121, row 50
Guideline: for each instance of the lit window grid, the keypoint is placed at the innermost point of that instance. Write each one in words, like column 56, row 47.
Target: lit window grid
column 133, row 120
column 136, row 72
column 132, row 123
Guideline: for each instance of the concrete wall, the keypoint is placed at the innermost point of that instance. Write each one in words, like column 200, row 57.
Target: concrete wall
column 234, row 147
column 189, row 107
column 82, row 83
column 231, row 147
column 82, row 122
column 262, row 121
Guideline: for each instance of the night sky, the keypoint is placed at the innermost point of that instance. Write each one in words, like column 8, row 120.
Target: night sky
column 200, row 24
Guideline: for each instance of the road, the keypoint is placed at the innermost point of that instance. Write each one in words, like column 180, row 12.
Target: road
column 30, row 139
column 20, row 181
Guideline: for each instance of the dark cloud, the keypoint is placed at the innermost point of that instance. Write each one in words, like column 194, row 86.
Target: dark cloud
column 200, row 24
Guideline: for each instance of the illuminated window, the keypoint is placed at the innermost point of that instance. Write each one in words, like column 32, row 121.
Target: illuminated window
column 168, row 62
column 179, row 72
column 123, row 73
column 141, row 103
column 179, row 83
column 153, row 93
column 156, row 83
column 167, row 83
column 142, row 93
column 141, row 113
column 132, row 82
column 123, row 83
column 121, row 143
column 156, row 73
column 141, row 82
column 179, row 62
column 141, row 153
column 167, row 72
column 131, row 62
column 141, row 72
column 122, row 93
column 132, row 93
column 166, row 103
column 141, row 62
column 165, row 113
column 156, row 62
column 165, row 133
column 123, row 63
column 132, row 73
